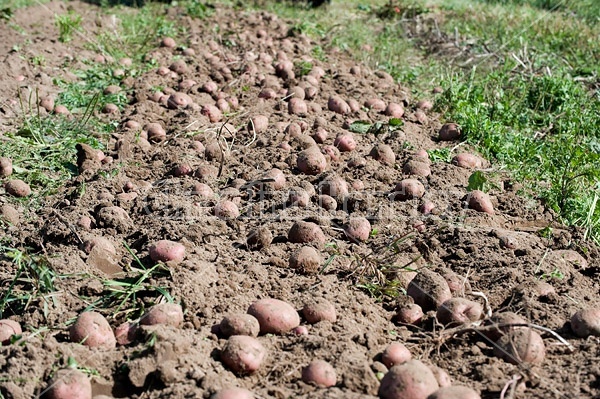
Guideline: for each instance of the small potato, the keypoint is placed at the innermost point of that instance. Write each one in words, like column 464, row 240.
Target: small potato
column 91, row 329
column 521, row 345
column 338, row 105
column 17, row 188
column 467, row 161
column 69, row 384
column 428, row 289
column 326, row 202
column 239, row 324
column 426, row 207
column 480, row 201
column 358, row 229
column 179, row 100
column 375, row 104
column 8, row 328
column 278, row 178
column 243, row 354
column 394, row 110
column 417, row 168
column 298, row 196
column 394, row 354
column 306, row 260
column 454, row 392
column 449, row 132
column 425, row 105
column 213, row 113
column 47, row 103
column 334, row 186
column 126, row 333
column 311, row 161
column 300, row 330
column 410, row 380
column 226, row 210
column 156, row 133
column 167, row 251
column 297, row 106
column 6, row 167
column 383, row 153
column 345, row 142
column 586, row 322
column 182, row 169
column 306, row 232
column 259, row 238
column 274, row 316
column 260, row 124
column 410, row 314
column 441, row 376
column 332, row 152
column 457, row 311
column 408, row 189
column 318, row 310
column 320, row 135
column 293, row 130
column 203, row 190
column 9, row 214
column 169, row 314
column 319, row 373
column 233, row 393
column 498, row 319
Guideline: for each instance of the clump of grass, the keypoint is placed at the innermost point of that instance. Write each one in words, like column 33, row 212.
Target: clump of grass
column 67, row 25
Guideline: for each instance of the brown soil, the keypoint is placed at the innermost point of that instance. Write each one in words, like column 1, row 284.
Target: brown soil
column 500, row 255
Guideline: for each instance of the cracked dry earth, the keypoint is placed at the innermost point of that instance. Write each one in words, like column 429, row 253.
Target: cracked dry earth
column 249, row 136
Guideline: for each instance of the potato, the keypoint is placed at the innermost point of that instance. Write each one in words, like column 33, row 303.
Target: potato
column 182, row 169
column 409, row 314
column 8, row 328
column 500, row 318
column 260, row 124
column 293, row 130
column 69, row 384
column 311, row 161
column 91, row 329
column 278, row 178
column 375, row 104
column 334, row 186
column 6, row 167
column 586, row 322
column 243, row 354
column 331, row 152
column 416, row 167
column 326, row 202
column 354, row 106
column 457, row 311
column 213, row 113
column 421, row 117
column 319, row 373
column 126, row 333
column 467, row 161
column 441, row 376
column 428, row 289
column 394, row 110
column 47, row 103
column 317, row 310
column 338, row 105
column 259, row 238
column 9, row 214
column 449, row 132
column 521, row 345
column 239, row 324
column 480, row 201
column 203, row 190
column 358, row 229
column 168, row 314
column 226, row 210
column 297, row 106
column 17, row 188
column 167, row 251
column 320, row 135
column 345, row 142
column 179, row 66
column 408, row 189
column 394, row 354
column 210, row 87
column 179, row 100
column 458, row 285
column 454, row 392
column 306, row 232
column 306, row 260
column 274, row 316
column 156, row 133
column 300, row 330
column 233, row 393
column 298, row 196
column 383, row 153
column 426, row 207
column 410, row 380
column 425, row 105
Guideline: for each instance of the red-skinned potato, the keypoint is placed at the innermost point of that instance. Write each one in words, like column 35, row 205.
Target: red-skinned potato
column 449, row 132
column 410, row 380
column 306, row 260
column 394, row 110
column 317, row 310
column 213, row 113
column 383, row 153
column 8, row 328
column 408, row 189
column 179, row 100
column 311, row 161
column 345, row 142
column 167, row 251
column 409, row 314
column 426, row 207
column 243, row 354
column 278, row 179
column 454, row 392
column 17, row 188
column 441, row 376
column 416, row 167
column 428, row 289
column 91, row 329
column 586, row 322
column 521, row 345
column 170, row 314
column 156, row 133
column 260, row 124
column 297, row 106
column 298, row 196
column 259, row 238
column 126, row 333
column 394, row 354
column 358, row 229
column 274, row 316
column 338, row 105
column 334, row 186
column 69, row 384
column 456, row 311
column 468, row 161
column 319, row 373
column 6, row 167
column 332, row 152
column 239, row 324
column 226, row 210
column 306, row 232
column 498, row 319
column 376, row 104
column 480, row 201
column 233, row 393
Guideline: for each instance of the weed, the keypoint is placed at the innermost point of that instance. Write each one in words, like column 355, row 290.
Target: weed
column 67, row 25
column 198, row 9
